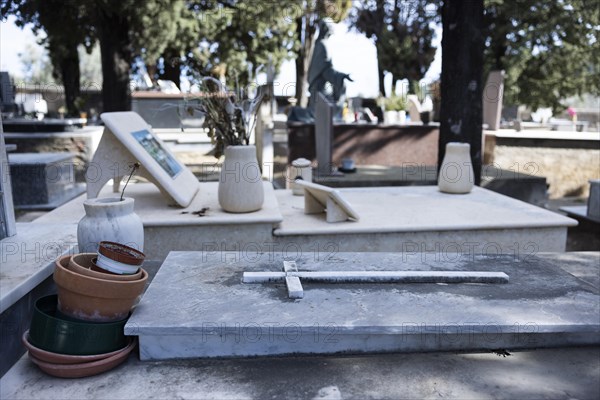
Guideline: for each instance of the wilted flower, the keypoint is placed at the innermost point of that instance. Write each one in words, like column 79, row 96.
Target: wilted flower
column 229, row 123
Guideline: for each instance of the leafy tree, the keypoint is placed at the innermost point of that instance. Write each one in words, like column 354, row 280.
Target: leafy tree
column 403, row 32
column 91, row 69
column 238, row 37
column 36, row 65
column 125, row 29
column 67, row 26
column 549, row 49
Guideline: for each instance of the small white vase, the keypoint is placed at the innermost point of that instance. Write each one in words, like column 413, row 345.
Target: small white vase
column 456, row 173
column 301, row 168
column 402, row 117
column 109, row 219
column 391, row 117
column 240, row 184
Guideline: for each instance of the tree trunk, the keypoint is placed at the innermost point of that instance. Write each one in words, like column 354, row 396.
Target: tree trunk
column 381, row 82
column 172, row 67
column 65, row 61
column 70, row 78
column 380, row 72
column 305, row 32
column 116, row 61
column 461, row 88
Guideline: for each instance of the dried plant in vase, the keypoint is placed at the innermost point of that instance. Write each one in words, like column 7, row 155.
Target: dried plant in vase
column 229, row 121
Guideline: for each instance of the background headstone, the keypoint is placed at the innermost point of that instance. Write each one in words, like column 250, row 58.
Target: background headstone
column 324, row 134
column 127, row 139
column 7, row 212
column 492, row 100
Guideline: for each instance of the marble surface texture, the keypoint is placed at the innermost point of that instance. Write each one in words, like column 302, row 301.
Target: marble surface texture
column 197, row 306
column 407, row 219
column 152, row 208
column 169, row 228
column 27, row 258
column 110, row 220
column 418, row 209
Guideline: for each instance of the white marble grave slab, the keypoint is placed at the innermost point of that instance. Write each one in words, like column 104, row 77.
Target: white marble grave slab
column 422, row 218
column 27, row 258
column 172, row 228
column 196, row 306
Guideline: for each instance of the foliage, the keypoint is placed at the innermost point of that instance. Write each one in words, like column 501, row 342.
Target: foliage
column 228, row 120
column 402, row 31
column 67, row 26
column 550, row 50
column 36, row 65
column 395, row 103
column 237, row 37
column 91, row 68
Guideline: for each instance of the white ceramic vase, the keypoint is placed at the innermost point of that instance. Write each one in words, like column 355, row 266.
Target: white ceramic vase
column 391, row 117
column 109, row 219
column 240, row 184
column 401, row 117
column 456, row 173
column 301, row 168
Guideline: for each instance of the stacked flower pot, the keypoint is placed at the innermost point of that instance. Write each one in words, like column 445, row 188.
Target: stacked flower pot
column 79, row 331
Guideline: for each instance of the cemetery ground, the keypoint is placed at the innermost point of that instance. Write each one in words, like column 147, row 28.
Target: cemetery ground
column 562, row 373
column 568, row 373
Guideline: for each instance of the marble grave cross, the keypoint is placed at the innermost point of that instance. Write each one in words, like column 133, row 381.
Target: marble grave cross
column 291, row 276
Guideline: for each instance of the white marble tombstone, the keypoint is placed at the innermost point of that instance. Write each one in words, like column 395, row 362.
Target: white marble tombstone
column 493, row 93
column 127, row 139
column 324, row 134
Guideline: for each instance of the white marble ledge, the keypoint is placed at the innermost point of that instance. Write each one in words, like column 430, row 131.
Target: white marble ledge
column 154, row 210
column 27, row 258
column 77, row 133
column 544, row 134
column 417, row 209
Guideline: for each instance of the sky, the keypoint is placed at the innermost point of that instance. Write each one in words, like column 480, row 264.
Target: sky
column 12, row 42
column 351, row 53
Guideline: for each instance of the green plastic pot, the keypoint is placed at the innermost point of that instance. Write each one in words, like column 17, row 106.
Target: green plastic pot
column 52, row 331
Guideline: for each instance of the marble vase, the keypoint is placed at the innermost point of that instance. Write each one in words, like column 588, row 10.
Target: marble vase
column 456, row 173
column 301, row 168
column 401, row 117
column 240, row 183
column 391, row 117
column 109, row 219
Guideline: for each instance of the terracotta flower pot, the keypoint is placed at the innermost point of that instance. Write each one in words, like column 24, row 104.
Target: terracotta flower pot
column 118, row 258
column 92, row 299
column 83, row 264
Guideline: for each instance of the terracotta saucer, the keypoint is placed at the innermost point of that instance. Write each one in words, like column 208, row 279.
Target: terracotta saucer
column 82, row 370
column 57, row 358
